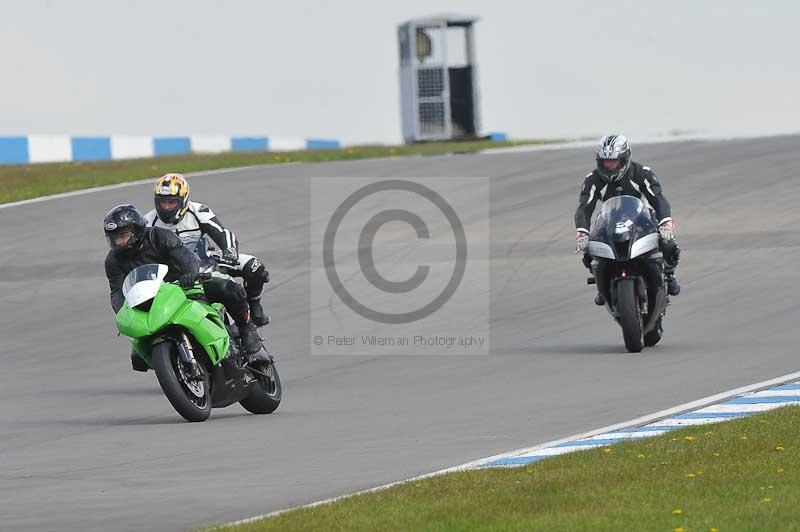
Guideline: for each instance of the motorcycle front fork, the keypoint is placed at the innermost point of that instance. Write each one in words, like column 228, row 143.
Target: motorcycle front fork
column 187, row 356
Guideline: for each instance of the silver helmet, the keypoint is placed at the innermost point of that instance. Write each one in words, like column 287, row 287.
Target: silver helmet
column 613, row 148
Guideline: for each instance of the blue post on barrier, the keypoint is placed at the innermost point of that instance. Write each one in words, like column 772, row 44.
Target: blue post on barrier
column 171, row 145
column 14, row 150
column 91, row 148
column 322, row 144
column 250, row 144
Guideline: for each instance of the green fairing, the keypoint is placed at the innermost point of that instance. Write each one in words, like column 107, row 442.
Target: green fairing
column 171, row 307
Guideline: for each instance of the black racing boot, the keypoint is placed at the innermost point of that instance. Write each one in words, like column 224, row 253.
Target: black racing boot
column 598, row 299
column 248, row 334
column 257, row 315
column 673, row 287
column 137, row 363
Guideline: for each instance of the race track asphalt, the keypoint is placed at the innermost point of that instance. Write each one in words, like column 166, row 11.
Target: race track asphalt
column 87, row 444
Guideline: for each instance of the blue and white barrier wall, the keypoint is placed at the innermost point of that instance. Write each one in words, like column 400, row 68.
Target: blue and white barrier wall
column 61, row 148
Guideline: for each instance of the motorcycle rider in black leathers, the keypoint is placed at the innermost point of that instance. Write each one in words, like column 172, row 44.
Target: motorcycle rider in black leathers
column 617, row 175
column 133, row 244
column 194, row 223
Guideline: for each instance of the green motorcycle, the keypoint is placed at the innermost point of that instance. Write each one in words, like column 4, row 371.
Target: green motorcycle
column 193, row 346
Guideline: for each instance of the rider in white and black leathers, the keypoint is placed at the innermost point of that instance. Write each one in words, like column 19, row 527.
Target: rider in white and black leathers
column 193, row 222
column 617, row 175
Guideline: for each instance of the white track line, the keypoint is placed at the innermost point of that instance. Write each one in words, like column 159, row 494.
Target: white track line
column 644, row 420
column 775, row 393
column 737, row 408
column 689, row 137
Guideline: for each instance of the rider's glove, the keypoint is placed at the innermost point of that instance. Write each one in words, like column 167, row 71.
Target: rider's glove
column 581, row 241
column 230, row 256
column 187, row 280
column 667, row 229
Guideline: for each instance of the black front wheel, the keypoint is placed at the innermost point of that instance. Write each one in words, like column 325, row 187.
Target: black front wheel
column 629, row 316
column 266, row 395
column 190, row 397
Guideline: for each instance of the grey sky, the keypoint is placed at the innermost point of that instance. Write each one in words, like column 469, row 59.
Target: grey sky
column 329, row 69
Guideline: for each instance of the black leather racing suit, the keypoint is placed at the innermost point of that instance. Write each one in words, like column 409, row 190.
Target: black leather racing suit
column 638, row 181
column 162, row 246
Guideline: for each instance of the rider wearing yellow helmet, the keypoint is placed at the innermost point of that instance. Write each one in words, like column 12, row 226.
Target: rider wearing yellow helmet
column 195, row 223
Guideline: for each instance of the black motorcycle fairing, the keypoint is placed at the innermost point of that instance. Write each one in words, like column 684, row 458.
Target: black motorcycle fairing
column 622, row 221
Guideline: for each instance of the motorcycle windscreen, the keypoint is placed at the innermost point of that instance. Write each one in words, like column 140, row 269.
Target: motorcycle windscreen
column 142, row 283
column 622, row 221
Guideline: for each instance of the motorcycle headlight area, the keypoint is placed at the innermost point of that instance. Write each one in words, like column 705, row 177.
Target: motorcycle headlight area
column 141, row 293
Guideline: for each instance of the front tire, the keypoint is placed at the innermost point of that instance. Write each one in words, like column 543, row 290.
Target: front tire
column 191, row 399
column 267, row 393
column 629, row 316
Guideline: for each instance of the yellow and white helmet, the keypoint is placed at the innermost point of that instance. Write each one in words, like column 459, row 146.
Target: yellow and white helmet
column 171, row 198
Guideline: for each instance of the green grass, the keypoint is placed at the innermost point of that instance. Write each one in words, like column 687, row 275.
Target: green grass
column 19, row 182
column 738, row 475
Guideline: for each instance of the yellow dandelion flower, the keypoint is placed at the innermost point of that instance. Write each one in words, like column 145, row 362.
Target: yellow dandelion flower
column 743, row 437
column 688, row 438
column 640, row 455
column 779, row 448
column 780, row 470
column 713, row 529
column 709, row 433
column 677, row 511
column 679, row 529
column 689, row 475
column 716, row 454
column 607, row 450
column 766, row 499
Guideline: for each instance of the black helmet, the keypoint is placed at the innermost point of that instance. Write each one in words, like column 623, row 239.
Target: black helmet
column 122, row 220
column 613, row 148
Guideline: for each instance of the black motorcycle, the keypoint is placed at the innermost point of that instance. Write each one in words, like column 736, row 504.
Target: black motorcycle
column 628, row 269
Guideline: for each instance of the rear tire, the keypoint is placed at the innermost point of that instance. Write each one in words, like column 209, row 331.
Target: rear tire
column 629, row 316
column 654, row 336
column 266, row 395
column 166, row 361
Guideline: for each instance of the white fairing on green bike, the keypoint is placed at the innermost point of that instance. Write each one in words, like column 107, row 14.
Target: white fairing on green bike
column 142, row 283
